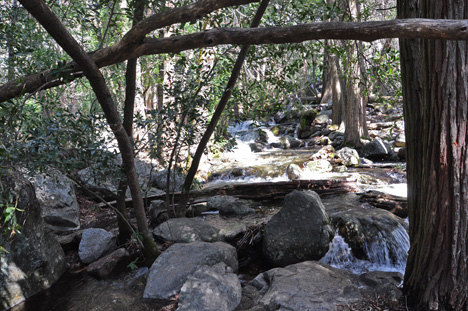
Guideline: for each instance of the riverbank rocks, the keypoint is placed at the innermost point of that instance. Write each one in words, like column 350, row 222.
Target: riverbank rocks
column 348, row 156
column 56, row 194
column 299, row 231
column 376, row 150
column 32, row 260
column 176, row 181
column 289, row 142
column 110, row 265
column 185, row 230
column 312, row 286
column 172, row 268
column 96, row 243
column 211, row 288
column 229, row 206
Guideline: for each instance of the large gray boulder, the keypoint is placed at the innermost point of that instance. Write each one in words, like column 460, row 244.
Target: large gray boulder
column 214, row 288
column 376, row 150
column 185, row 230
column 105, row 180
column 56, row 194
column 176, row 181
column 229, row 206
column 312, row 286
column 96, row 243
column 299, row 231
column 33, row 259
column 172, row 268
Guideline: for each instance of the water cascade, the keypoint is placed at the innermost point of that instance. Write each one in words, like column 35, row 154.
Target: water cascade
column 384, row 254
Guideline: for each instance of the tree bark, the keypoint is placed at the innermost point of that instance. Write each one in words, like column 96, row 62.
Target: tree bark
column 365, row 31
column 55, row 28
column 436, row 110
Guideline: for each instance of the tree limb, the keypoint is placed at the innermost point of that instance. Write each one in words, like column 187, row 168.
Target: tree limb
column 443, row 29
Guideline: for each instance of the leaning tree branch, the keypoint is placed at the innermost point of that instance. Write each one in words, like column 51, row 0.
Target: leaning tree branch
column 443, row 29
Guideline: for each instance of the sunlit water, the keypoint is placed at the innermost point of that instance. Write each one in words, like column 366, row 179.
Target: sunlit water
column 270, row 165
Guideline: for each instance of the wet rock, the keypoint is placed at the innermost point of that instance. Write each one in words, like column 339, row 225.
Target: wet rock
column 256, row 147
column 211, row 288
column 288, row 142
column 56, row 194
column 373, row 234
column 299, row 231
column 293, row 171
column 377, row 149
column 33, row 260
column 172, row 268
column 319, row 166
column 110, row 265
column 157, row 212
column 185, row 230
column 96, row 243
column 348, row 156
column 229, row 206
column 176, row 181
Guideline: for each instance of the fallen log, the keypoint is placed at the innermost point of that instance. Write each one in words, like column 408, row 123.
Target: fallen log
column 394, row 204
column 260, row 191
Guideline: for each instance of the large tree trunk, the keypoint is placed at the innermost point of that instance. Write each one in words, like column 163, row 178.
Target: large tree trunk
column 436, row 112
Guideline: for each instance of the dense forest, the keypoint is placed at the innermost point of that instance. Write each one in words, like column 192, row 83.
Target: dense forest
column 162, row 80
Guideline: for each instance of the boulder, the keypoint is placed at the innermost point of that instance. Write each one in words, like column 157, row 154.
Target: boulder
column 105, row 180
column 172, row 268
column 96, row 243
column 56, row 195
column 102, row 181
column 185, row 230
column 377, row 149
column 312, row 286
column 213, row 288
column 319, row 166
column 287, row 142
column 293, row 171
column 323, row 117
column 31, row 260
column 110, row 265
column 306, row 286
column 157, row 212
column 299, row 231
column 229, row 206
column 159, row 180
column 348, row 156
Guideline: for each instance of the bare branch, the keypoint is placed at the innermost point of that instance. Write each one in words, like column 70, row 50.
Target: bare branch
column 443, row 29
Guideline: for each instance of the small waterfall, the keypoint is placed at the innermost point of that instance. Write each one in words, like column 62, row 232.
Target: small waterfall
column 384, row 253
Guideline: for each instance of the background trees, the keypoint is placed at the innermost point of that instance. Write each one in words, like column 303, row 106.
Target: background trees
column 41, row 122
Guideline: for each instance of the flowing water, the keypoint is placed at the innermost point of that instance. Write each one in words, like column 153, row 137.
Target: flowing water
column 384, row 253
